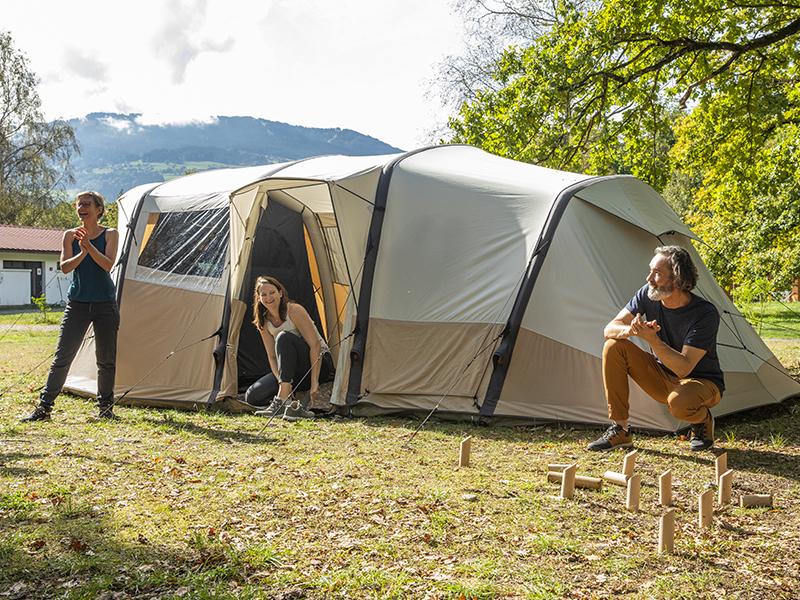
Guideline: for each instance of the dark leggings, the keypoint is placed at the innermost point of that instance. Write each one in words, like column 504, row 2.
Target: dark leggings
column 104, row 317
column 294, row 362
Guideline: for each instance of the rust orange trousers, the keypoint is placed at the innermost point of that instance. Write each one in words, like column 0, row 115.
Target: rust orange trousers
column 688, row 399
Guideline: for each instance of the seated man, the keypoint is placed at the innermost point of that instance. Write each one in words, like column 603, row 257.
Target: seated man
column 683, row 370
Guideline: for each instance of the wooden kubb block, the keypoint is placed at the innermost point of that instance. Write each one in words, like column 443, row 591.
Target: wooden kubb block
column 463, row 452
column 666, row 532
column 755, row 500
column 594, row 483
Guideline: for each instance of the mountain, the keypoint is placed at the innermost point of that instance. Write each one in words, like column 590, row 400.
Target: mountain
column 117, row 153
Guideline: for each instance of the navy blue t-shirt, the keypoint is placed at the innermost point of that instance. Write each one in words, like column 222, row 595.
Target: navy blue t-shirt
column 694, row 325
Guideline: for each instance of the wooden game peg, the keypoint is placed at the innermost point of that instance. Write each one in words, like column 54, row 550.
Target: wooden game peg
column 556, row 467
column 756, row 500
column 463, row 454
column 568, row 481
column 665, row 488
column 593, row 483
column 706, row 508
column 666, row 532
column 725, row 487
column 615, row 478
column 634, row 492
column 629, row 463
column 720, row 466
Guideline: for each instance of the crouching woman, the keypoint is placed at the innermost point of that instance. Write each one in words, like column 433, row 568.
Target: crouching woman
column 298, row 356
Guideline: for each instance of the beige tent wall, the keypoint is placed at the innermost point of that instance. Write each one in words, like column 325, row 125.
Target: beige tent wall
column 459, row 229
column 182, row 318
column 428, row 360
column 594, row 265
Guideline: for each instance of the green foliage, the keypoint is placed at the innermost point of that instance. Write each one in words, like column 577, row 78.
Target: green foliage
column 699, row 99
column 109, row 218
column 61, row 216
column 44, row 309
column 15, row 506
column 34, row 154
column 748, row 205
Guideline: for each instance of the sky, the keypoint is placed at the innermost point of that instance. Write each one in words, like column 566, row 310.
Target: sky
column 365, row 65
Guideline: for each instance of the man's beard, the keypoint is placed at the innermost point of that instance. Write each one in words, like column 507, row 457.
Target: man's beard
column 660, row 293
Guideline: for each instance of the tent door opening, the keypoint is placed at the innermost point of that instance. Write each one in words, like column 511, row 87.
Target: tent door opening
column 279, row 251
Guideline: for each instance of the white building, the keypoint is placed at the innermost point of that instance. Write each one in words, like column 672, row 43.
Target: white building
column 29, row 265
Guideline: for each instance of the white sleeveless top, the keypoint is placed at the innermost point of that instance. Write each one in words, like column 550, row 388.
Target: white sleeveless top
column 287, row 325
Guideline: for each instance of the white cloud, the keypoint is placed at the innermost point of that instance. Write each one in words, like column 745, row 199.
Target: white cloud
column 356, row 64
column 84, row 65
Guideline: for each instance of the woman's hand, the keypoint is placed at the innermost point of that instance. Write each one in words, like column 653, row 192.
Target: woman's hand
column 83, row 239
column 314, row 392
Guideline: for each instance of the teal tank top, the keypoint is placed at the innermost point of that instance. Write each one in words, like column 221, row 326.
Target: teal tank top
column 90, row 281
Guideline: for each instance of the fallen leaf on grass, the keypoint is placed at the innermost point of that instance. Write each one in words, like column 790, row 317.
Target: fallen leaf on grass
column 77, row 546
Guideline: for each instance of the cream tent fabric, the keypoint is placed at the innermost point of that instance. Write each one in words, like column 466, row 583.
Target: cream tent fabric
column 445, row 276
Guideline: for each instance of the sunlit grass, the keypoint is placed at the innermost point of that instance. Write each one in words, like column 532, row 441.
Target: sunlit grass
column 172, row 504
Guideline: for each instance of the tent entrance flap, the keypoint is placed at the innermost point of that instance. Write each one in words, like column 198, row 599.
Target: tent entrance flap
column 280, row 251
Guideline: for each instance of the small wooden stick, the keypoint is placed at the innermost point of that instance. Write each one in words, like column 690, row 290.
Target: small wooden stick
column 568, row 481
column 593, row 483
column 463, row 454
column 665, row 488
column 725, row 487
column 706, row 508
column 756, row 500
column 616, row 478
column 720, row 466
column 629, row 463
column 666, row 532
column 634, row 492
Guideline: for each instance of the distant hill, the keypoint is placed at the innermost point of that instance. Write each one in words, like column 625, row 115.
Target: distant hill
column 118, row 154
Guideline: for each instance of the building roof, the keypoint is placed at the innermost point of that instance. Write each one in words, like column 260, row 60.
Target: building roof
column 30, row 239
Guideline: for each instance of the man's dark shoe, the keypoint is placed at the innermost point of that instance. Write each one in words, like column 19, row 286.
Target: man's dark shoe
column 614, row 437
column 39, row 414
column 703, row 434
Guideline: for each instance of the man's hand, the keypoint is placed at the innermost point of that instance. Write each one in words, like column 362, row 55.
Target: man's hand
column 647, row 330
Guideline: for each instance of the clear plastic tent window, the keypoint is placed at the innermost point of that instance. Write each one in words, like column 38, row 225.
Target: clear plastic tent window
column 185, row 249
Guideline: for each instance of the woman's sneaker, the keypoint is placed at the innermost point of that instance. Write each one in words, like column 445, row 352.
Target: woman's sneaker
column 275, row 407
column 295, row 412
column 614, row 437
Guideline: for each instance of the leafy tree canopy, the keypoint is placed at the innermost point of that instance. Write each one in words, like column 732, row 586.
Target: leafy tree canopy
column 34, row 154
column 700, row 98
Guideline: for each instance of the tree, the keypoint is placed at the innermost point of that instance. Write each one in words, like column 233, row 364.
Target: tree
column 702, row 94
column 34, row 154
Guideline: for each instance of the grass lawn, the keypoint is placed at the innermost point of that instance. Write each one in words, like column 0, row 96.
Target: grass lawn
column 774, row 320
column 166, row 504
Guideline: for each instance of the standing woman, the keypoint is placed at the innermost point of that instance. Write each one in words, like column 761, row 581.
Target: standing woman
column 88, row 252
column 298, row 356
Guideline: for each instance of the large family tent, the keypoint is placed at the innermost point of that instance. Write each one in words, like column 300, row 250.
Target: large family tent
column 441, row 277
